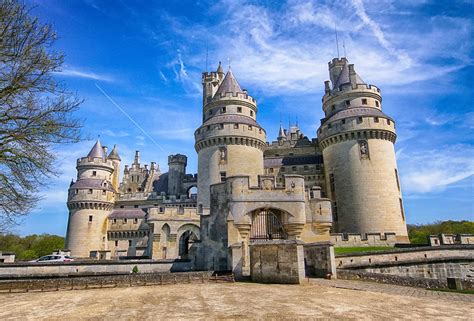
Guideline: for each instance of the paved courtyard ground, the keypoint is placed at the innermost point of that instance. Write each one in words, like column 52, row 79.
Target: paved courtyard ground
column 317, row 299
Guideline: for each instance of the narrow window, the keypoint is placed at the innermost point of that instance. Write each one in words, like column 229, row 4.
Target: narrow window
column 90, row 191
column 104, row 192
column 364, row 101
column 162, row 209
column 129, row 190
column 94, row 173
column 116, row 243
column 283, row 169
column 334, row 211
column 401, row 209
column 129, row 242
column 221, row 126
column 208, row 127
column 333, row 107
column 181, row 209
column 343, row 121
column 332, row 185
column 210, row 112
column 223, row 176
column 223, row 110
column 135, row 206
column 348, row 102
column 359, row 120
column 236, row 126
column 125, row 221
column 76, row 191
column 329, row 125
column 293, row 168
column 305, row 167
column 239, row 109
column 114, row 221
column 376, row 119
column 251, row 113
column 377, row 103
column 396, row 177
column 271, row 169
column 388, row 121
column 90, row 218
column 250, row 127
column 135, row 220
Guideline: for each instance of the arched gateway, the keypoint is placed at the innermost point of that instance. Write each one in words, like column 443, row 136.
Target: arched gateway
column 267, row 225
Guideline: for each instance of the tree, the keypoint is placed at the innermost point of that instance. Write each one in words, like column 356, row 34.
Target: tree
column 35, row 110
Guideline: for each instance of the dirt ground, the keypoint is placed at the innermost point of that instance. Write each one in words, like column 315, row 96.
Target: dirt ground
column 226, row 301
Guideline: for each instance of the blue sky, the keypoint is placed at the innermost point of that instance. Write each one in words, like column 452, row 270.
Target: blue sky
column 148, row 58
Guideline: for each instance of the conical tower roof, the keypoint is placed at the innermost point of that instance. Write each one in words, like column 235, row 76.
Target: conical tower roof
column 344, row 77
column 219, row 68
column 229, row 85
column 114, row 154
column 97, row 151
column 281, row 133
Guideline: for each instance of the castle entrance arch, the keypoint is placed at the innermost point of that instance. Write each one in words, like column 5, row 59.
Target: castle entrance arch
column 267, row 225
column 185, row 242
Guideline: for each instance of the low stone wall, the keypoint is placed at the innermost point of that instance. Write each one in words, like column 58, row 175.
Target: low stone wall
column 277, row 262
column 400, row 280
column 29, row 269
column 357, row 240
column 319, row 259
column 102, row 281
column 405, row 255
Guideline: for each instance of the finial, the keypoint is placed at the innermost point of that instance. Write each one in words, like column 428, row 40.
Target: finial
column 228, row 61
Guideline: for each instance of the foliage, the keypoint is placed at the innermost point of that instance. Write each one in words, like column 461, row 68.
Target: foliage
column 31, row 246
column 135, row 269
column 347, row 250
column 35, row 110
column 418, row 234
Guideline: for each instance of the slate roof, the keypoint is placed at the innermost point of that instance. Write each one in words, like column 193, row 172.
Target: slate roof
column 97, row 151
column 345, row 79
column 356, row 112
column 229, row 85
column 92, row 183
column 127, row 213
column 114, row 154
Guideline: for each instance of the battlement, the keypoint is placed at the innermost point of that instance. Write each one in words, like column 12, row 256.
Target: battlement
column 233, row 96
column 369, row 239
column 361, row 89
column 96, row 161
column 337, row 61
column 178, row 158
column 210, row 76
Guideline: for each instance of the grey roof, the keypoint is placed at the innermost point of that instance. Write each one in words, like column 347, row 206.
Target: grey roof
column 92, row 183
column 223, row 119
column 344, row 77
column 127, row 213
column 219, row 68
column 356, row 112
column 281, row 132
column 292, row 160
column 114, row 154
column 229, row 85
column 97, row 151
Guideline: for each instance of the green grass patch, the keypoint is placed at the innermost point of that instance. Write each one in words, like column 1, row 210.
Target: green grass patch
column 349, row 250
column 454, row 291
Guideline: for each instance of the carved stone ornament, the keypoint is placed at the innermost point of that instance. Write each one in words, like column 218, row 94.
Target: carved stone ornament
column 364, row 149
column 267, row 184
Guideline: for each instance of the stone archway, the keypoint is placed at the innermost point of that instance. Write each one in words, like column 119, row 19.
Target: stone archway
column 267, row 225
column 186, row 240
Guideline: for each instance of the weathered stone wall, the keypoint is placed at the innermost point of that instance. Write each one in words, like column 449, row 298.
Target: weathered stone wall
column 319, row 259
column 409, row 255
column 77, row 267
column 369, row 239
column 277, row 262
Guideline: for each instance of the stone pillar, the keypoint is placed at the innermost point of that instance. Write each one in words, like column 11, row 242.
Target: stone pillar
column 244, row 230
column 156, row 247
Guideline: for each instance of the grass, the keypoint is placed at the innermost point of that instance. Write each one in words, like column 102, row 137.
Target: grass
column 454, row 291
column 348, row 250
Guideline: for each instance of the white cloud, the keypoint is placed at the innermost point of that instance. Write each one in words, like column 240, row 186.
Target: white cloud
column 436, row 169
column 72, row 72
column 115, row 133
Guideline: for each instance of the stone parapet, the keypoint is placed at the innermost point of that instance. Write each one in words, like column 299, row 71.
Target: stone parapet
column 369, row 239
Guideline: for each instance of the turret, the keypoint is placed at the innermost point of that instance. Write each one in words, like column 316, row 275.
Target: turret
column 176, row 171
column 357, row 140
column 115, row 158
column 90, row 200
column 229, row 142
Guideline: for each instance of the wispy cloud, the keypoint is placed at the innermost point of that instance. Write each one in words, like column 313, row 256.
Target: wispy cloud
column 72, row 72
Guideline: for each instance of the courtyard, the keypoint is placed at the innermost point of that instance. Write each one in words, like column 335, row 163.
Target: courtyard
column 316, row 299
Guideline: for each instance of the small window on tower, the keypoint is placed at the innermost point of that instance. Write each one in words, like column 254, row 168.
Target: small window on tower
column 236, row 126
column 121, row 206
column 251, row 113
column 376, row 119
column 90, row 191
column 129, row 242
column 162, row 209
column 333, row 107
column 293, row 168
column 135, row 221
column 250, row 127
column 210, row 112
column 90, row 218
column 104, row 192
column 94, row 173
column 364, row 101
column 114, row 221
column 223, row 110
column 343, row 121
column 223, row 176
column 135, row 206
column 125, row 221
column 305, row 167
column 271, row 170
column 221, row 126
column 388, row 121
column 208, row 127
column 348, row 102
column 116, row 243
column 239, row 109
column 283, row 169
column 359, row 120
column 377, row 103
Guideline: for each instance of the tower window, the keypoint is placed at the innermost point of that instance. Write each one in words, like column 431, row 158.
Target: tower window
column 236, row 126
column 181, row 209
column 334, row 212
column 90, row 218
column 293, row 168
column 332, row 185
column 343, row 121
column 116, row 243
column 129, row 242
column 223, row 110
column 210, row 112
column 376, row 119
column 239, row 109
column 135, row 206
column 282, row 169
column 223, row 176
column 162, row 209
column 364, row 101
column 90, row 191
column 359, row 120
column 251, row 113
column 396, row 177
column 104, row 192
column 271, row 170
column 125, row 221
column 208, row 127
column 114, row 221
column 305, row 167
column 94, row 173
column 329, row 125
column 348, row 102
column 250, row 127
column 377, row 103
column 135, row 221
column 121, row 206
column 221, row 126
column 76, row 191
column 333, row 107
column 401, row 208
column 388, row 121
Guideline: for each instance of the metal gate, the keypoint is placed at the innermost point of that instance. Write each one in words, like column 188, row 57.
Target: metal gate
column 266, row 226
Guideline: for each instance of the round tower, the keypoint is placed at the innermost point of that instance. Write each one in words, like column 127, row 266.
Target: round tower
column 115, row 158
column 230, row 141
column 357, row 140
column 90, row 200
column 176, row 171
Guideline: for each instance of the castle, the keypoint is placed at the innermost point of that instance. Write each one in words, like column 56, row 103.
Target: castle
column 246, row 191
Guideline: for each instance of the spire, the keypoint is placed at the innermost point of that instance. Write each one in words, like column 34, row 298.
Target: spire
column 229, row 84
column 97, row 151
column 347, row 76
column 220, row 70
column 114, row 154
column 281, row 133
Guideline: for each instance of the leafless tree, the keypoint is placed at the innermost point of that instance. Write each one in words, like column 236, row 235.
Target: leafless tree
column 36, row 111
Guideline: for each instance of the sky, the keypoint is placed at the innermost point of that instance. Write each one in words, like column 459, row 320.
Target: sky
column 138, row 64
